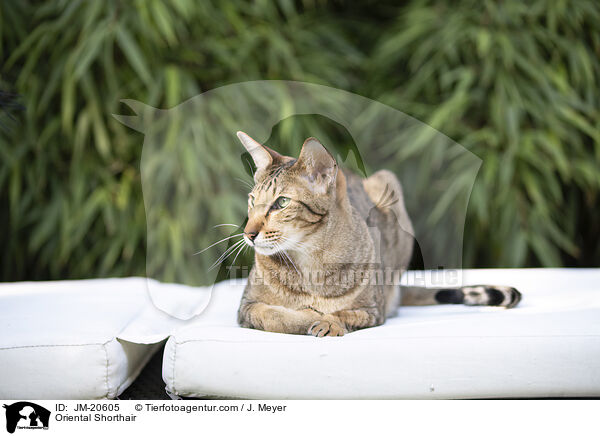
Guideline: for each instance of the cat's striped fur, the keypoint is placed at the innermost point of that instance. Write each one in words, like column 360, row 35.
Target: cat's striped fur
column 330, row 248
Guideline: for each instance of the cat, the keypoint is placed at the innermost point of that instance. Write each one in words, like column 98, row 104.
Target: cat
column 324, row 241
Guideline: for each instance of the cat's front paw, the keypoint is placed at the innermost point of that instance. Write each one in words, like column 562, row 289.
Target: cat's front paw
column 326, row 327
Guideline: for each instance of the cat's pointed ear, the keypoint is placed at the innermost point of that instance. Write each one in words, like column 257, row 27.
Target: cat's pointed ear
column 262, row 156
column 318, row 165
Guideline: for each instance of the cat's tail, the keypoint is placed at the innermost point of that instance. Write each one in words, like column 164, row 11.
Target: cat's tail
column 474, row 295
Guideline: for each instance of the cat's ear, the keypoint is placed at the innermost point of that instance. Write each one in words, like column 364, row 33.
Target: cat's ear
column 262, row 156
column 318, row 165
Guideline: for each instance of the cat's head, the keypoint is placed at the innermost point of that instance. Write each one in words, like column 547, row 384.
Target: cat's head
column 291, row 198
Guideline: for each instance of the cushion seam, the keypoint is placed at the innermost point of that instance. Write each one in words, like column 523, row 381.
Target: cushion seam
column 389, row 338
column 51, row 345
column 173, row 359
column 106, row 374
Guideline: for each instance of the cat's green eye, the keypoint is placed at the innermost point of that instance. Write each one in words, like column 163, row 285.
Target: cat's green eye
column 281, row 202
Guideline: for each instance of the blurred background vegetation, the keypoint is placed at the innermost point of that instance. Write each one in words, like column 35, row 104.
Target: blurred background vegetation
column 514, row 82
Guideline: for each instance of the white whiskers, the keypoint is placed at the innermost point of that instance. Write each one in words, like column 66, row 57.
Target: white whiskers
column 218, row 242
column 298, row 246
column 238, row 252
column 236, row 247
column 245, row 183
column 284, row 256
column 225, row 224
column 227, row 253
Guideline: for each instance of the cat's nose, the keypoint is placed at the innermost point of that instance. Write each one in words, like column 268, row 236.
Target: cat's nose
column 252, row 229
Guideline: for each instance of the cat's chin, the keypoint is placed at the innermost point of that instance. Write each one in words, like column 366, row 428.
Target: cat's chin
column 265, row 251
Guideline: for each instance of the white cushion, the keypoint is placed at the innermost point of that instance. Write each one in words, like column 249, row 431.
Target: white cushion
column 67, row 339
column 548, row 346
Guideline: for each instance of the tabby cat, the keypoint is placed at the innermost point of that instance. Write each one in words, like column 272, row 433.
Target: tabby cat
column 330, row 248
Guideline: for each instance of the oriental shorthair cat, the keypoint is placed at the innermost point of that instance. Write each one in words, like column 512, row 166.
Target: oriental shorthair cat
column 330, row 247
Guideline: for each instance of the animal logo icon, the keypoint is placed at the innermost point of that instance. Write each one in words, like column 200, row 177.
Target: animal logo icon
column 24, row 414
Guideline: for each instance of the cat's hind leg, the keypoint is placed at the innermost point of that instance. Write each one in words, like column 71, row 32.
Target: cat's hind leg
column 385, row 191
column 390, row 216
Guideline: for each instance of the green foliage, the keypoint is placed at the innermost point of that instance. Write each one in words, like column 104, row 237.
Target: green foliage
column 69, row 173
column 515, row 83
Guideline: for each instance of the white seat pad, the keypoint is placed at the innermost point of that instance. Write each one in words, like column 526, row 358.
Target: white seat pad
column 548, row 346
column 61, row 340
